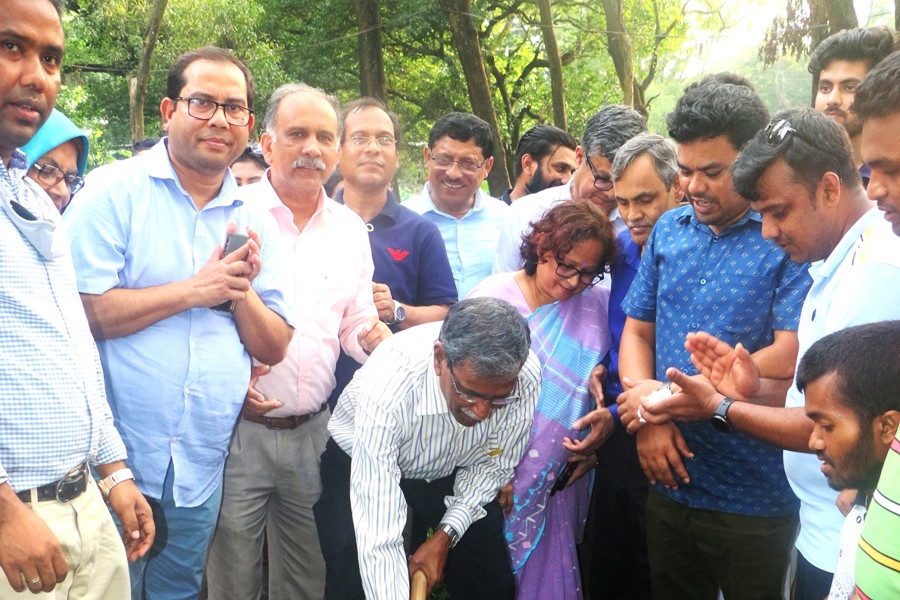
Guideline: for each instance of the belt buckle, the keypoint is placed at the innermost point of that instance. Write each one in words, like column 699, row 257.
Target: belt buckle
column 269, row 423
column 72, row 485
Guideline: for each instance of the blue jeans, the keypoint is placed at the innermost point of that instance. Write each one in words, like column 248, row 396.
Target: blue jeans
column 173, row 568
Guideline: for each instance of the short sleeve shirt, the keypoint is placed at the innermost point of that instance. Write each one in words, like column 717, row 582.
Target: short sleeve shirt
column 740, row 288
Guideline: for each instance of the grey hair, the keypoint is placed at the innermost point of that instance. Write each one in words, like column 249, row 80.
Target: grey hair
column 291, row 89
column 609, row 128
column 489, row 333
column 662, row 150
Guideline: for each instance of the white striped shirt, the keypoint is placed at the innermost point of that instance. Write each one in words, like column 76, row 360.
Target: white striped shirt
column 394, row 422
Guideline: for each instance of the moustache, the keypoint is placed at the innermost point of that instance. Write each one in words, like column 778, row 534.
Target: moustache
column 308, row 163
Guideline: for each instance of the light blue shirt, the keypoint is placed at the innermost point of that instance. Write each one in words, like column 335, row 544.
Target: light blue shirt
column 858, row 283
column 470, row 241
column 53, row 410
column 176, row 387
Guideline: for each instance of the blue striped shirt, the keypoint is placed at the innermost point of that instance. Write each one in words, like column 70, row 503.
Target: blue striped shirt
column 53, row 410
column 394, row 422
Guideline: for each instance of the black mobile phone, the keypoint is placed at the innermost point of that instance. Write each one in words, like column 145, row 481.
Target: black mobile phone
column 232, row 242
column 563, row 478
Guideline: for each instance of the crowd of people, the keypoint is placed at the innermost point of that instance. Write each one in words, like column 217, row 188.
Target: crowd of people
column 656, row 367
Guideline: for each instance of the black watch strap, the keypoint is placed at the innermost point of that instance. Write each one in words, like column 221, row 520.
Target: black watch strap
column 720, row 419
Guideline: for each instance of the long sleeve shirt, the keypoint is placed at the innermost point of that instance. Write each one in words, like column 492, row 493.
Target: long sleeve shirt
column 394, row 422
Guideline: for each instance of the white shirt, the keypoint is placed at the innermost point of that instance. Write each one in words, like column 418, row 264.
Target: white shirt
column 394, row 421
column 522, row 213
column 858, row 283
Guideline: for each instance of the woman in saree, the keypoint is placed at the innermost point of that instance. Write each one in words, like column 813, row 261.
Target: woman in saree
column 566, row 254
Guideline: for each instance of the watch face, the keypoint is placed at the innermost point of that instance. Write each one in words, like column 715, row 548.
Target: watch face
column 721, row 424
column 399, row 313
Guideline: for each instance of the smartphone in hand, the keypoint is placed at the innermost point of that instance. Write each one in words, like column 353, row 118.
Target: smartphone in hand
column 232, row 242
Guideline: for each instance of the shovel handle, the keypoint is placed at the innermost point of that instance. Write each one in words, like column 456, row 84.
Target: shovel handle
column 419, row 586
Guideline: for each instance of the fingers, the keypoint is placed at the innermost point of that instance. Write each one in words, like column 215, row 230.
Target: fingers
column 371, row 334
column 257, row 371
column 595, row 383
column 257, row 405
column 505, row 498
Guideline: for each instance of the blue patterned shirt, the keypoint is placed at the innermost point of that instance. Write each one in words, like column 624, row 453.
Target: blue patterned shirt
column 740, row 288
column 53, row 410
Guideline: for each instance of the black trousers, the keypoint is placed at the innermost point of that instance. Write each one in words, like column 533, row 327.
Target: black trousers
column 477, row 568
column 618, row 568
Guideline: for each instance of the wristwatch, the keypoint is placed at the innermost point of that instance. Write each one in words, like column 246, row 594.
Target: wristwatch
column 115, row 478
column 399, row 312
column 720, row 419
column 451, row 533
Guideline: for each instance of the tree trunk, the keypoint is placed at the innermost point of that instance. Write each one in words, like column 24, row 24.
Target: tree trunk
column 554, row 60
column 137, row 87
column 841, row 14
column 465, row 40
column 897, row 15
column 371, row 65
column 619, row 43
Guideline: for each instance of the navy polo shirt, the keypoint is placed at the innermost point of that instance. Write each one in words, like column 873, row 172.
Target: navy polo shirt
column 739, row 287
column 623, row 273
column 411, row 259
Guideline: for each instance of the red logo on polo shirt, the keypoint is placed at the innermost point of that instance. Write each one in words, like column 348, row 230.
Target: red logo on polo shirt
column 398, row 255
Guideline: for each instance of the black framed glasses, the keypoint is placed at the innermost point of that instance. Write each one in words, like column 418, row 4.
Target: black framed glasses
column 51, row 175
column 470, row 397
column 601, row 182
column 588, row 278
column 465, row 165
column 204, row 109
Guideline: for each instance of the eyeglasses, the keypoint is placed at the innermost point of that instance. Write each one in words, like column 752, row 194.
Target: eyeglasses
column 52, row 175
column 601, row 182
column 203, row 109
column 465, row 165
column 382, row 141
column 588, row 278
column 779, row 133
column 471, row 398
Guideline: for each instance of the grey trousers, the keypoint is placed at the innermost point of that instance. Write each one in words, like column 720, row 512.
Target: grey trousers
column 271, row 483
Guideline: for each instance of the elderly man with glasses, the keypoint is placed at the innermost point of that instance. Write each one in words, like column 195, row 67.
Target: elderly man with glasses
column 436, row 419
column 604, row 134
column 147, row 236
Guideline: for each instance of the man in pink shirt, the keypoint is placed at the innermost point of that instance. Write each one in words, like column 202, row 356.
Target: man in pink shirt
column 272, row 473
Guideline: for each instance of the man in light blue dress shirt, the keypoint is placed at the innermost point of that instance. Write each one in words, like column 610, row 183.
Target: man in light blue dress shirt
column 459, row 156
column 147, row 243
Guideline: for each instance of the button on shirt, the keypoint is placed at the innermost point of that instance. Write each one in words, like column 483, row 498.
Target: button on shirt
column 330, row 287
column 177, row 386
column 522, row 213
column 394, row 421
column 738, row 287
column 53, row 410
column 858, row 283
column 470, row 241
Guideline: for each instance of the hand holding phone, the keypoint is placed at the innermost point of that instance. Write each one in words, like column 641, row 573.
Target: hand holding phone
column 232, row 242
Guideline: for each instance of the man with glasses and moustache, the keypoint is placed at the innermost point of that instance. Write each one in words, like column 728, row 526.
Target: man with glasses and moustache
column 799, row 174
column 147, row 237
column 459, row 156
column 436, row 419
column 720, row 514
column 605, row 132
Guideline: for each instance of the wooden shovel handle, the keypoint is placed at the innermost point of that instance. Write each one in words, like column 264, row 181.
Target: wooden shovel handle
column 419, row 586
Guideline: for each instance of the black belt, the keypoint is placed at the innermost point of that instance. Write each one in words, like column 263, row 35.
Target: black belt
column 65, row 489
column 292, row 422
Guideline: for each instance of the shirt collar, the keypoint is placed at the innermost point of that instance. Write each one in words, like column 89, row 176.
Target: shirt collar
column 390, row 210
column 432, row 401
column 159, row 166
column 265, row 195
column 825, row 268
column 688, row 216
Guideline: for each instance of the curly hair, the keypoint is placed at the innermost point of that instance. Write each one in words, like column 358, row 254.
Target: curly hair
column 712, row 109
column 868, row 44
column 565, row 226
column 878, row 94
